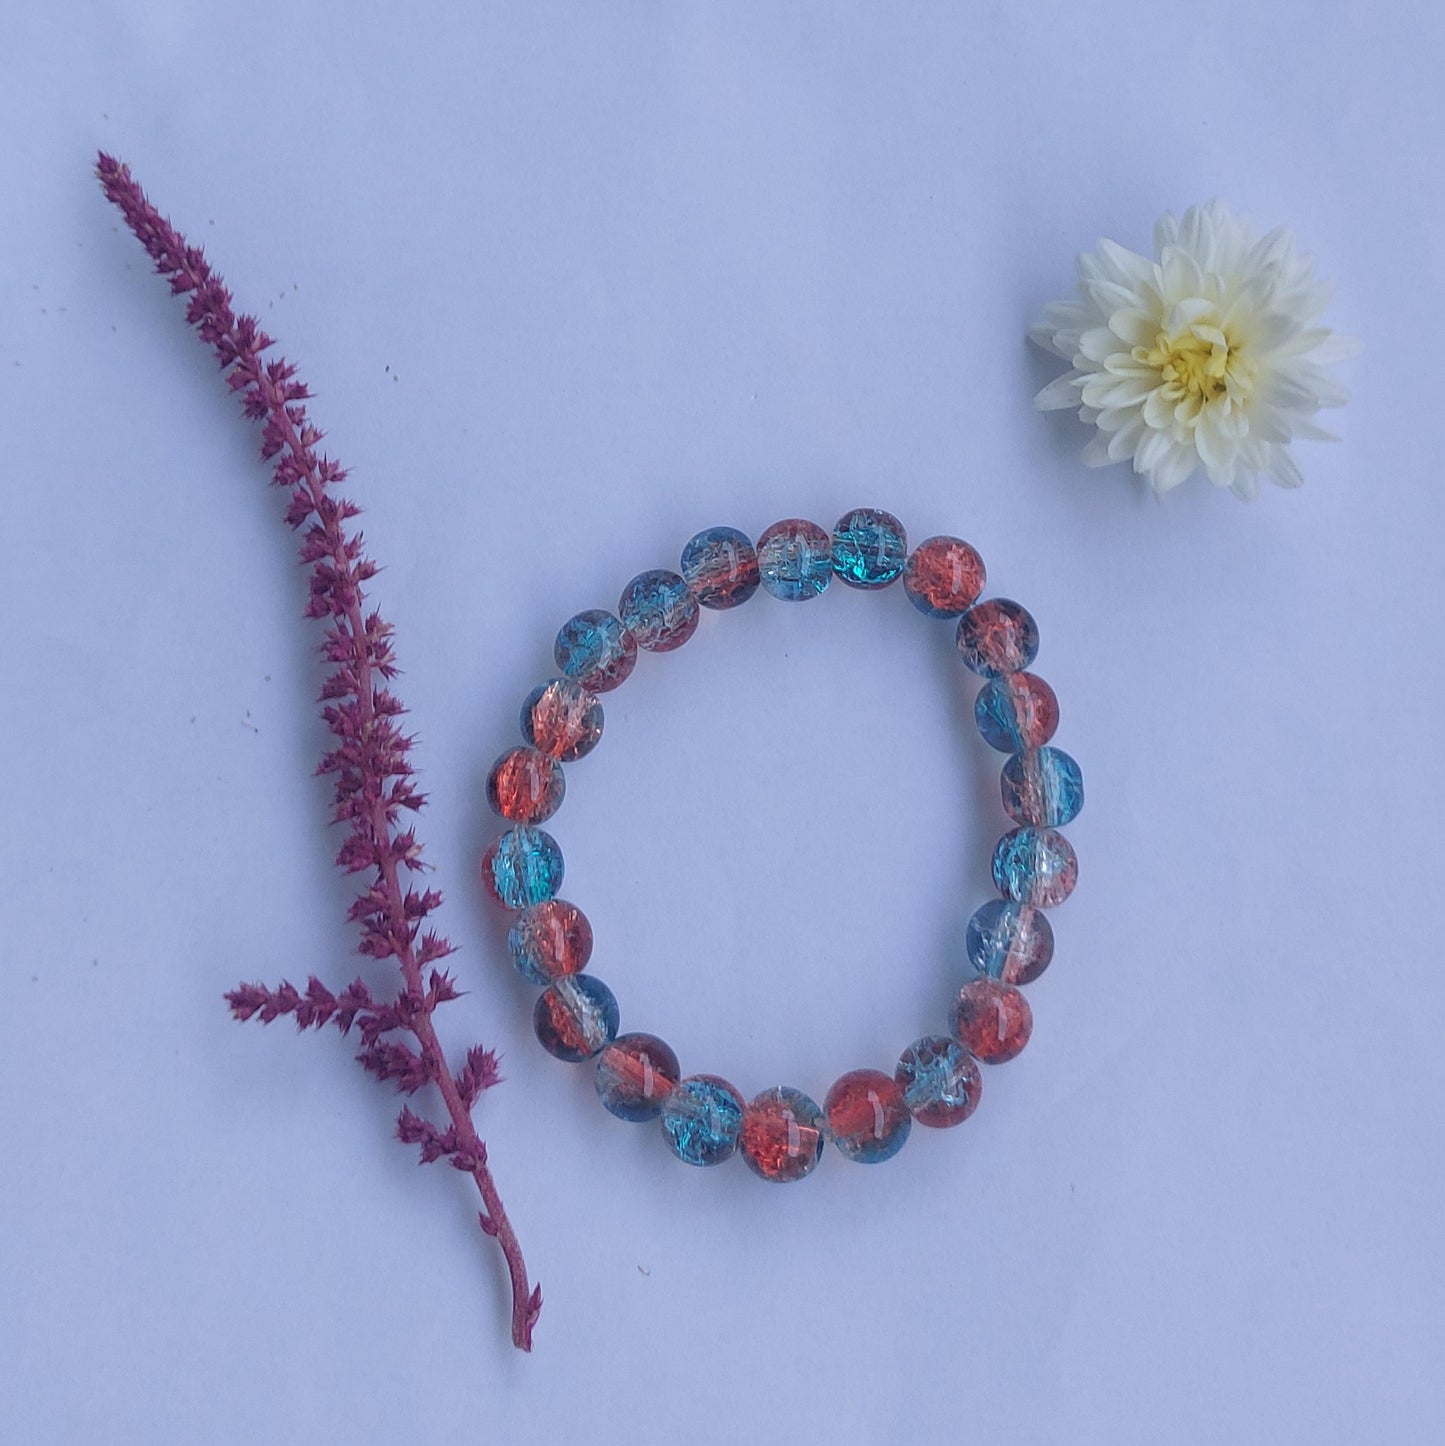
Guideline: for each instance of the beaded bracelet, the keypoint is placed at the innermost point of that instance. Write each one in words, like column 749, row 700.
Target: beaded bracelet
column 1009, row 942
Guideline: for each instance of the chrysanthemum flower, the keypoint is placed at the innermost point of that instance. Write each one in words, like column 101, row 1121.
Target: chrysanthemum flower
column 1210, row 356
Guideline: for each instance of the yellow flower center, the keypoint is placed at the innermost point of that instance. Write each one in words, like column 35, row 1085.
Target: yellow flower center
column 1198, row 365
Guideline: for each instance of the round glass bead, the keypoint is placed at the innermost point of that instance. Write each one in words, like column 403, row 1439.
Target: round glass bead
column 941, row 1081
column 1043, row 786
column 525, row 785
column 1035, row 866
column 658, row 609
column 1016, row 711
column 595, row 650
column 993, row 1021
column 1009, row 941
column 997, row 636
column 550, row 939
column 523, row 866
column 575, row 1017
column 701, row 1119
column 869, row 548
column 563, row 719
column 867, row 1116
column 783, row 1134
column 635, row 1073
column 795, row 560
column 943, row 577
column 721, row 567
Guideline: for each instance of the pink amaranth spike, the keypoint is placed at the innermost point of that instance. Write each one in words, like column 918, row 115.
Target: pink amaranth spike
column 373, row 778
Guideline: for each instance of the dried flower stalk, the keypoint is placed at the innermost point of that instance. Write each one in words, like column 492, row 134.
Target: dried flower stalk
column 373, row 777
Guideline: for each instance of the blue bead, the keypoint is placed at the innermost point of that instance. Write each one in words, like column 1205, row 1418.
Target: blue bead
column 1009, row 941
column 1042, row 786
column 1016, row 711
column 522, row 867
column 870, row 548
column 701, row 1119
column 1035, row 866
column 658, row 610
column 575, row 1017
column 595, row 650
column 721, row 567
column 795, row 560
column 941, row 1082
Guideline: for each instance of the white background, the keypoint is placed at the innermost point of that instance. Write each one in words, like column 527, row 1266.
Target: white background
column 572, row 281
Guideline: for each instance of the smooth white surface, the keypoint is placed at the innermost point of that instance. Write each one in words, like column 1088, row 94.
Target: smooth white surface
column 571, row 281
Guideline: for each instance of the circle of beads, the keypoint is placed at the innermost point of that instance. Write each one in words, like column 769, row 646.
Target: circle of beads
column 782, row 1132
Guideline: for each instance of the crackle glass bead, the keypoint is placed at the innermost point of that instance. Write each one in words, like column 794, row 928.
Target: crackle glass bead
column 1016, row 711
column 869, row 548
column 575, row 1017
column 701, row 1119
column 659, row 610
column 550, row 939
column 563, row 719
column 1035, row 866
column 720, row 565
column 867, row 1116
column 1043, row 786
column 795, row 560
column 595, row 650
column 940, row 1080
column 997, row 636
column 525, row 785
column 943, row 577
column 783, row 1134
column 523, row 866
column 992, row 1020
column 1010, row 941
column 635, row 1074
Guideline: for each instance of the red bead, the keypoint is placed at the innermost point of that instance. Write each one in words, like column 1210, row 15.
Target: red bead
column 549, row 940
column 867, row 1115
column 783, row 1134
column 992, row 1020
column 943, row 577
column 562, row 719
column 997, row 636
column 525, row 785
column 635, row 1073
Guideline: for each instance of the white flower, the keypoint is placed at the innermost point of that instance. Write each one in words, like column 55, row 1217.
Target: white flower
column 1210, row 356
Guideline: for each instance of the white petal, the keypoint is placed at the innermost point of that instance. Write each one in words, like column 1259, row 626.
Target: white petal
column 1310, row 430
column 1109, row 296
column 1112, row 418
column 1061, row 343
column 1215, row 450
column 1271, row 426
column 1152, row 451
column 1124, row 265
column 1096, row 454
column 1159, row 409
column 1284, row 469
column 1186, row 312
column 1107, row 390
column 1338, row 348
column 1126, row 439
column 1097, row 343
column 1134, row 326
column 1062, row 392
column 1182, row 276
column 1175, row 467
